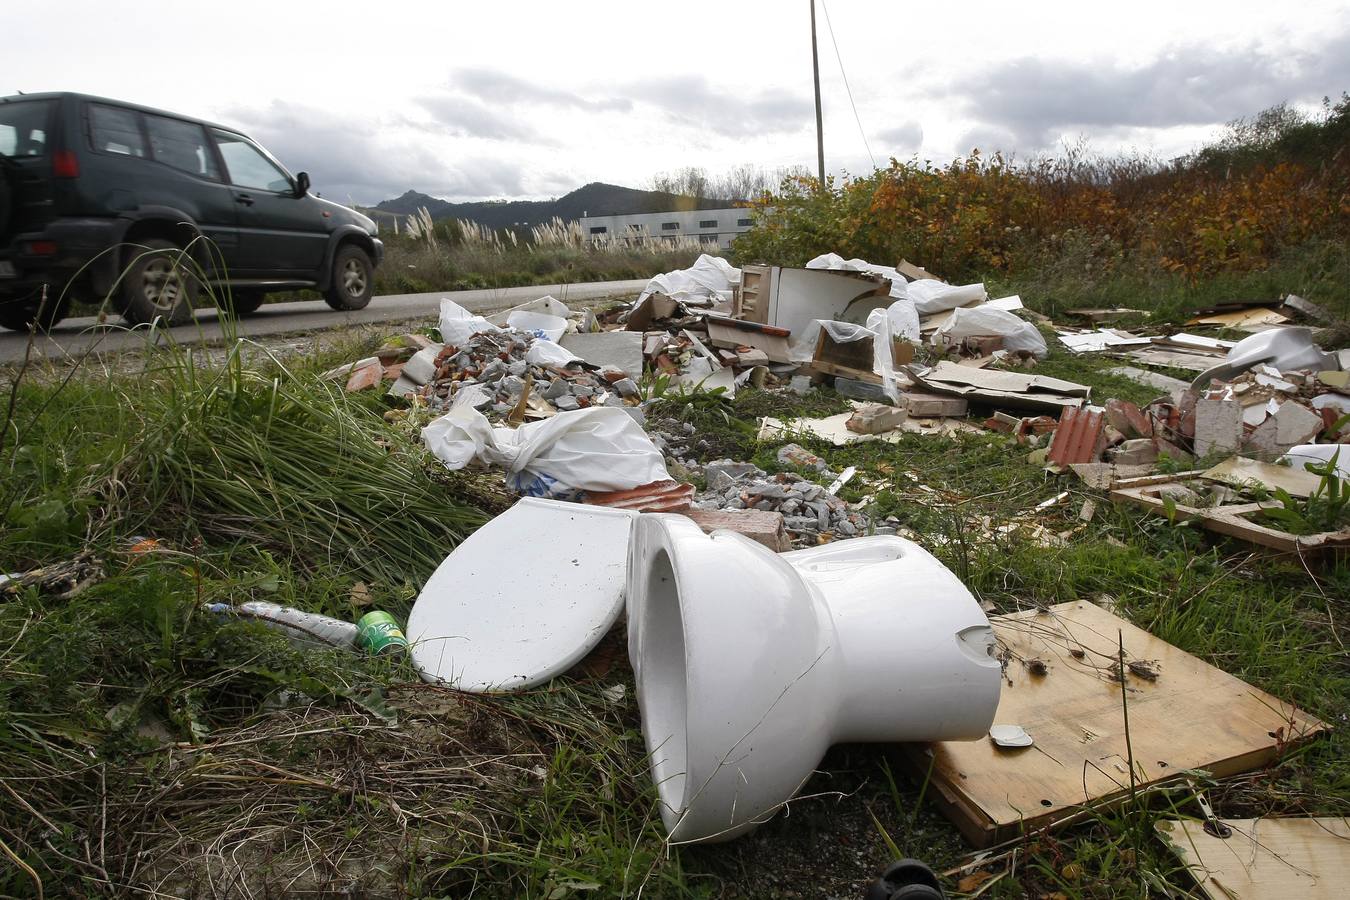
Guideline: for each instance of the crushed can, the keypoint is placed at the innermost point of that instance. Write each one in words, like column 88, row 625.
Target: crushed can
column 378, row 634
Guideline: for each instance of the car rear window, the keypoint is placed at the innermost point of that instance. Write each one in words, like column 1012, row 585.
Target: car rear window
column 23, row 127
column 116, row 131
column 181, row 145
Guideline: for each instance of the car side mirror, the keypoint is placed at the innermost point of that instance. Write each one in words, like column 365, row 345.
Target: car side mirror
column 301, row 184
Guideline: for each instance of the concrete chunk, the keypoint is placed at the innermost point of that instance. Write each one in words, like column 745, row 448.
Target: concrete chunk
column 621, row 349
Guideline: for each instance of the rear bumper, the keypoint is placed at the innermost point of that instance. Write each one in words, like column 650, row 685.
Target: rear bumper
column 82, row 250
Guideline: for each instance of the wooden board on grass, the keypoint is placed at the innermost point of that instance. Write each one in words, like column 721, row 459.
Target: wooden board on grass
column 1265, row 859
column 1192, row 716
column 1239, row 520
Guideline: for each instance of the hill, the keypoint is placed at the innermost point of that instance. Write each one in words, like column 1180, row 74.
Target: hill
column 595, row 199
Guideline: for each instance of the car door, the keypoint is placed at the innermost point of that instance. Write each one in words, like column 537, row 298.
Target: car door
column 281, row 235
column 175, row 168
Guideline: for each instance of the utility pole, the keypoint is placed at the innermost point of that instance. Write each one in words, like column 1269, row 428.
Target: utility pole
column 815, row 74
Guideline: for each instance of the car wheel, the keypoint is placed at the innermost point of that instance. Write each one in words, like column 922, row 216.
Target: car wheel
column 159, row 283
column 353, row 279
column 241, row 303
column 21, row 316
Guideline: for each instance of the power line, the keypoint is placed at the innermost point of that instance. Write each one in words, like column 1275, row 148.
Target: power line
column 849, row 90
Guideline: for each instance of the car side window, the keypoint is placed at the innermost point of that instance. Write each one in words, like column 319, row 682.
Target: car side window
column 116, row 131
column 181, row 145
column 248, row 167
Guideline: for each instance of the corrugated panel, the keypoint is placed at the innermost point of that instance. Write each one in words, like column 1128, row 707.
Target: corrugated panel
column 1078, row 438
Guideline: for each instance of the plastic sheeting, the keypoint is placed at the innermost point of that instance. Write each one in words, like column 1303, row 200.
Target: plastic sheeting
column 597, row 449
column 709, row 278
column 457, row 324
column 931, row 296
column 980, row 321
column 897, row 320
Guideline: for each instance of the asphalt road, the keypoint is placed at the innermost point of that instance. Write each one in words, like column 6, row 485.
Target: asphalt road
column 76, row 336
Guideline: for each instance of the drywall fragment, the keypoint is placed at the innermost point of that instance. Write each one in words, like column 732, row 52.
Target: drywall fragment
column 1292, row 425
column 1218, row 426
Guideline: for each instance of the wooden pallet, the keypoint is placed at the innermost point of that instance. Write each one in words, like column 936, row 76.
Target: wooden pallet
column 1193, row 716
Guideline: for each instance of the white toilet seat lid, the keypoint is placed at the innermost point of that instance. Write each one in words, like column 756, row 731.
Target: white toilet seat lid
column 523, row 598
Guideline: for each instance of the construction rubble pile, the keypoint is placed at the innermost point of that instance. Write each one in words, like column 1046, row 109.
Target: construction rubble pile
column 913, row 354
column 581, row 412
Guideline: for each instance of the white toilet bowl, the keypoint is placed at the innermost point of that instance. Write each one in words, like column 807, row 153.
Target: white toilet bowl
column 750, row 664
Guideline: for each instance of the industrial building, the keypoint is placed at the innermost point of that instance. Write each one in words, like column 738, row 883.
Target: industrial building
column 707, row 226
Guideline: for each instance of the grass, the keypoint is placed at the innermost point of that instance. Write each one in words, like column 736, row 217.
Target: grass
column 149, row 745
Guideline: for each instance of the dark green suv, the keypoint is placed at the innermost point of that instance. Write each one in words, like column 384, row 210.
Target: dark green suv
column 100, row 198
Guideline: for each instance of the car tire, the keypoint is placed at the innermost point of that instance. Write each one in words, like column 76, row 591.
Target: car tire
column 21, row 316
column 241, row 303
column 159, row 282
column 353, row 280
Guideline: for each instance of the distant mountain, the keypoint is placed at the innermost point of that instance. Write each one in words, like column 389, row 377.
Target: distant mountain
column 594, row 199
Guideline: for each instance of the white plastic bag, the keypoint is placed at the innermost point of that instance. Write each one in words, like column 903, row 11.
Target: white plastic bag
column 979, row 321
column 595, row 449
column 457, row 324
column 931, row 296
column 549, row 354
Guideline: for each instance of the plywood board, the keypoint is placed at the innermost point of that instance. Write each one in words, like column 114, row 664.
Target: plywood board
column 1265, row 859
column 1192, row 716
column 1242, row 318
column 1174, row 359
column 1237, row 471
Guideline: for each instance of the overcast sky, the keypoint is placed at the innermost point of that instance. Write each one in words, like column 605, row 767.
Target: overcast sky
column 531, row 99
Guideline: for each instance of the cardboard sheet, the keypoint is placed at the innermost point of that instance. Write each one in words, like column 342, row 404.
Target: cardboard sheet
column 1000, row 388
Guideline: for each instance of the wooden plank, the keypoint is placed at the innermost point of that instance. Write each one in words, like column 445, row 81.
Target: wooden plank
column 1193, row 716
column 1233, row 519
column 824, row 367
column 855, row 355
column 1265, row 859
